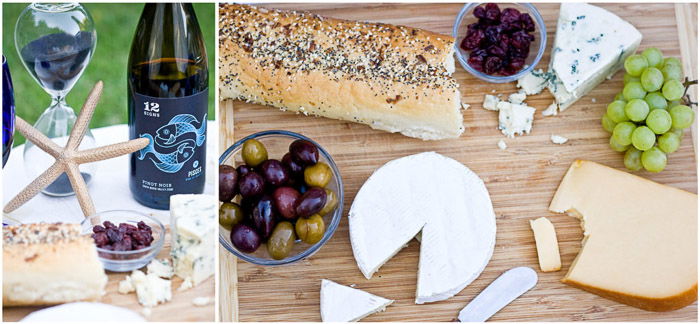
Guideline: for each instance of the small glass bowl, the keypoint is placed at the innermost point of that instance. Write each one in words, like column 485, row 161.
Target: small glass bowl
column 124, row 261
column 277, row 144
column 466, row 17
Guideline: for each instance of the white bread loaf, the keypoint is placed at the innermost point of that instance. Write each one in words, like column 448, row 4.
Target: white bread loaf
column 46, row 264
column 392, row 78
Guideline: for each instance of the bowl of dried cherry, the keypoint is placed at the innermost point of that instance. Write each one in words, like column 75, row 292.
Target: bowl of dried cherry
column 500, row 42
column 126, row 240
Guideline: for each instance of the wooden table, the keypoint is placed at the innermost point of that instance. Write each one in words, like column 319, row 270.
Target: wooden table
column 521, row 181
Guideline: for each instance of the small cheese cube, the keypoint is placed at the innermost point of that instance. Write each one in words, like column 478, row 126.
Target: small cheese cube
column 547, row 246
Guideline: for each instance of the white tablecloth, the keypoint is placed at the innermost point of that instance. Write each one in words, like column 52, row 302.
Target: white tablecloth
column 109, row 188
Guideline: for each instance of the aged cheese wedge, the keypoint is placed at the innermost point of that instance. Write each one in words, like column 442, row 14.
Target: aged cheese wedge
column 640, row 241
column 344, row 304
column 547, row 246
column 438, row 197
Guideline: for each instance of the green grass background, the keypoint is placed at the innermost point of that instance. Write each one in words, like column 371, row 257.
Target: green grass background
column 115, row 25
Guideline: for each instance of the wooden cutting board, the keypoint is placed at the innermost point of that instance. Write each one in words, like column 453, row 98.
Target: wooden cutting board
column 521, row 181
column 179, row 309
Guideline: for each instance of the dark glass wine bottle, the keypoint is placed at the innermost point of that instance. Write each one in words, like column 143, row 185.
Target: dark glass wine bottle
column 167, row 97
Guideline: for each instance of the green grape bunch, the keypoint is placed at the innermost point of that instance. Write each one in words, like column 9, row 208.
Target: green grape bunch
column 647, row 119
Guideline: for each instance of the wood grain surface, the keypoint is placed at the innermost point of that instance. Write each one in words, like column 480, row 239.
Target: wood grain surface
column 521, row 181
column 179, row 309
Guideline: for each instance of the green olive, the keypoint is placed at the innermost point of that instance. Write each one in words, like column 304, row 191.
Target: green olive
column 253, row 152
column 310, row 230
column 281, row 242
column 331, row 202
column 318, row 175
column 230, row 214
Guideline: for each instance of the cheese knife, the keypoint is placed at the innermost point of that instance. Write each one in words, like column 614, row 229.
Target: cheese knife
column 506, row 288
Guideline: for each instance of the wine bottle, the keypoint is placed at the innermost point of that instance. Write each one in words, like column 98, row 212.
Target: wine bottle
column 167, row 98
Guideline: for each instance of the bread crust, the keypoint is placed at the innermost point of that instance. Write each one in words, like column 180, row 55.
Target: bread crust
column 392, row 78
column 50, row 271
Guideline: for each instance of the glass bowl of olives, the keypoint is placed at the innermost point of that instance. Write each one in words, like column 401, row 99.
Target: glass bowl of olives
column 281, row 198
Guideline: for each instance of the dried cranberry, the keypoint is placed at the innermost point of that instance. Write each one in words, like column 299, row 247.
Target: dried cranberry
column 101, row 239
column 527, row 22
column 473, row 40
column 510, row 15
column 493, row 13
column 479, row 12
column 497, row 51
column 521, row 39
column 113, row 234
column 492, row 64
column 98, row 229
column 516, row 64
column 520, row 52
column 493, row 33
column 109, row 224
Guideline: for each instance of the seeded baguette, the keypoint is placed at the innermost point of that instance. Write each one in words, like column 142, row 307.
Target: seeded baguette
column 47, row 264
column 392, row 78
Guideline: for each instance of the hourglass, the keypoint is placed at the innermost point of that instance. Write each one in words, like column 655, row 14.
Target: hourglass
column 55, row 42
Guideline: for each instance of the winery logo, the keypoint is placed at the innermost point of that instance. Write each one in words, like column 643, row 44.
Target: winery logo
column 175, row 142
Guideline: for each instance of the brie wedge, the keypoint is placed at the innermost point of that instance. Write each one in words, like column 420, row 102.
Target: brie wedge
column 434, row 195
column 344, row 304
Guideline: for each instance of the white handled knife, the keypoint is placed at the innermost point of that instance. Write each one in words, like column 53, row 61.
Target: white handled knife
column 506, row 288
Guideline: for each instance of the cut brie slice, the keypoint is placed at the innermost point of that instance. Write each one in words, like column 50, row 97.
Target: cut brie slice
column 434, row 195
column 344, row 304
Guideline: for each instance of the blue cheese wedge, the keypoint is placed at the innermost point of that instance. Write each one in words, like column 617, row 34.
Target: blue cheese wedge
column 515, row 119
column 193, row 220
column 590, row 45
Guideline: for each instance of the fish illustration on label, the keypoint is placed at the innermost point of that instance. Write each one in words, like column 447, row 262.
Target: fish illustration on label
column 179, row 133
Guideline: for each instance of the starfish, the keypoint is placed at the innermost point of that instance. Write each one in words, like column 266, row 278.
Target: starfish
column 68, row 158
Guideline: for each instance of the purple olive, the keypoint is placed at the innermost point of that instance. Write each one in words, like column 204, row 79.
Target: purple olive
column 264, row 217
column 251, row 184
column 243, row 169
column 245, row 238
column 304, row 152
column 274, row 172
column 228, row 182
column 285, row 200
column 311, row 202
column 295, row 170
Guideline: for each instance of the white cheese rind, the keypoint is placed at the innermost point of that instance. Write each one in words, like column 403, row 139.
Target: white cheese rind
column 447, row 201
column 193, row 218
column 344, row 304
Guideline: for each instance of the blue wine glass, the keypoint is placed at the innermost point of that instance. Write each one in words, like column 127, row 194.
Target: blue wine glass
column 8, row 112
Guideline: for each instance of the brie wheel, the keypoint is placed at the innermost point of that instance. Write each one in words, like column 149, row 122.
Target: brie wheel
column 438, row 197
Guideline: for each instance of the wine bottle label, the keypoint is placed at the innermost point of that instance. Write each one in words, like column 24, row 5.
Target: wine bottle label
column 175, row 158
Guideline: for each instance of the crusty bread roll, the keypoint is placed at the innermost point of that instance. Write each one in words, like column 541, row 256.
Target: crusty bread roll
column 392, row 78
column 46, row 264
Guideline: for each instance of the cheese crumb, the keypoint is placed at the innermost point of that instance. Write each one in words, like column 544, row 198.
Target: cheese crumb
column 551, row 110
column 593, row 100
column 517, row 97
column 186, row 284
column 201, row 301
column 556, row 139
column 125, row 286
column 502, row 145
column 160, row 268
column 490, row 102
column 465, row 106
column 515, row 119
